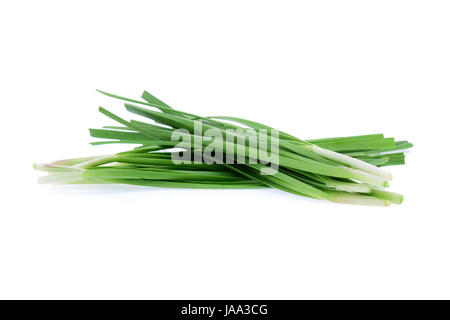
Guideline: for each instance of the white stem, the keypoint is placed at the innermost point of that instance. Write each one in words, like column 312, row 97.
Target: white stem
column 60, row 178
column 52, row 168
column 351, row 162
column 350, row 198
column 353, row 187
column 369, row 178
column 94, row 162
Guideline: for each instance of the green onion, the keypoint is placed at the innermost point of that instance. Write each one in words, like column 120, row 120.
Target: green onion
column 339, row 169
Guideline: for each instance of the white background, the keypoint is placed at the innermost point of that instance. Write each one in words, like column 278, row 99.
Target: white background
column 312, row 68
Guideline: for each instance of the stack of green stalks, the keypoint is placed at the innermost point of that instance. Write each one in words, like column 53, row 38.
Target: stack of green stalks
column 345, row 169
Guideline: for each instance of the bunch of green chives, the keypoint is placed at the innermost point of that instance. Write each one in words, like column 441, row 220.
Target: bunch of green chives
column 345, row 169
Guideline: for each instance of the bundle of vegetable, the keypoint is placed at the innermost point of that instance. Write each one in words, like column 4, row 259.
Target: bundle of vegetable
column 343, row 170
